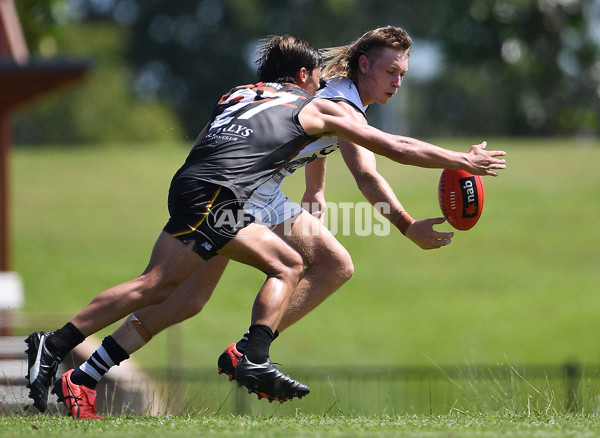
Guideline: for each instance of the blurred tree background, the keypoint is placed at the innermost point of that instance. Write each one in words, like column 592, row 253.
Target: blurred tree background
column 478, row 67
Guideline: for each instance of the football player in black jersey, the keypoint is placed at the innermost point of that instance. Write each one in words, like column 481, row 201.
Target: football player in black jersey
column 254, row 130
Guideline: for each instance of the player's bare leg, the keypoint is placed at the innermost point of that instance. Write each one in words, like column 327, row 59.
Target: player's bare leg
column 187, row 300
column 257, row 246
column 328, row 265
column 170, row 264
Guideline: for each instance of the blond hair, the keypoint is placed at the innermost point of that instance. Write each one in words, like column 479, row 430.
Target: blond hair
column 343, row 61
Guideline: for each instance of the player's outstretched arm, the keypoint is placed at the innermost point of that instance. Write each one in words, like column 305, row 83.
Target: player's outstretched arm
column 322, row 117
column 374, row 187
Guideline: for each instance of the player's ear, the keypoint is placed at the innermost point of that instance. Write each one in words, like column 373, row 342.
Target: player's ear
column 301, row 76
column 363, row 63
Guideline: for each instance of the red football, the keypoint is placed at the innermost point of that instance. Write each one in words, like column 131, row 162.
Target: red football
column 461, row 196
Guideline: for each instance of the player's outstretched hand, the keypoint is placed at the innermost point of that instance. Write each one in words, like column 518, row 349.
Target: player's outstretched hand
column 484, row 162
column 421, row 232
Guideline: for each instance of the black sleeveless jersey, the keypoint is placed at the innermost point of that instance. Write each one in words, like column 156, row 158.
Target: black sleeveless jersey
column 254, row 132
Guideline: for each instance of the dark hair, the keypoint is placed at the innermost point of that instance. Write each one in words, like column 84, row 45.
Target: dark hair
column 281, row 57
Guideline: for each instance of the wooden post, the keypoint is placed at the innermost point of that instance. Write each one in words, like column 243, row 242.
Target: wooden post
column 4, row 191
column 20, row 81
column 13, row 33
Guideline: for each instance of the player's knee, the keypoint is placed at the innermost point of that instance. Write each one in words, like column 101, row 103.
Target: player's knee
column 292, row 267
column 335, row 263
column 343, row 268
column 346, row 268
column 193, row 307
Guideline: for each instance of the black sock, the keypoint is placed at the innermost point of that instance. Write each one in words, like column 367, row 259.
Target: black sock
column 64, row 339
column 259, row 341
column 242, row 344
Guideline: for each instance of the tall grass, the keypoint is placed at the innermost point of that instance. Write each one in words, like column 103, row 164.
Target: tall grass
column 468, row 389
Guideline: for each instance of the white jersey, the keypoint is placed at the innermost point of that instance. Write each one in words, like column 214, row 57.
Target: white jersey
column 268, row 204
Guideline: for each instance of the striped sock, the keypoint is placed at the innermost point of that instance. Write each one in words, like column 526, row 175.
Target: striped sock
column 106, row 356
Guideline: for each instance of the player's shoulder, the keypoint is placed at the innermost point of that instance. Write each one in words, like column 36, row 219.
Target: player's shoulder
column 320, row 107
column 285, row 88
column 343, row 90
column 337, row 87
column 326, row 106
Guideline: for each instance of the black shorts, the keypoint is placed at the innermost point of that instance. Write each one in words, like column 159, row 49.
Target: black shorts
column 208, row 214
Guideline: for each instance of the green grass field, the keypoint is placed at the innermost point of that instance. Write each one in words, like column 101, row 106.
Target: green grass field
column 522, row 287
column 307, row 426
